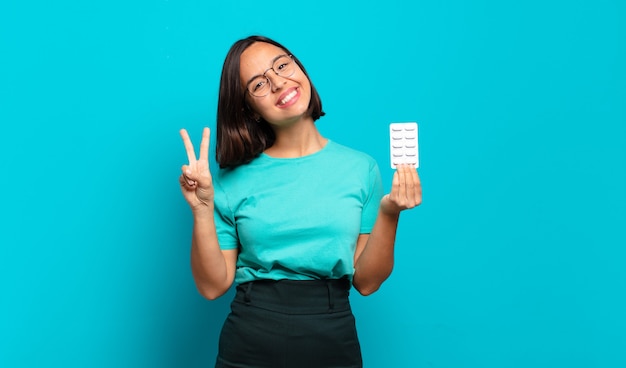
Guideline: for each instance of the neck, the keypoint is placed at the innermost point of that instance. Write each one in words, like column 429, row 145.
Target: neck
column 296, row 140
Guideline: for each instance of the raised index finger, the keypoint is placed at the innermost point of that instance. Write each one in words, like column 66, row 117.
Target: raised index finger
column 191, row 155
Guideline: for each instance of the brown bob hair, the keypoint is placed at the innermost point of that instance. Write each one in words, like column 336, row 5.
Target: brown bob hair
column 240, row 136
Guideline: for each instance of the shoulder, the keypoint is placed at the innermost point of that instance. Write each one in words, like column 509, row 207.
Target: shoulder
column 237, row 172
column 228, row 179
column 350, row 155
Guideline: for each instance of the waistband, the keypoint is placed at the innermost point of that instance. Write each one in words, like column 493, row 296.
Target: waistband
column 296, row 296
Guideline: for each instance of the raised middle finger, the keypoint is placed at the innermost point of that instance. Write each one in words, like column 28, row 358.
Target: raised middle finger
column 204, row 144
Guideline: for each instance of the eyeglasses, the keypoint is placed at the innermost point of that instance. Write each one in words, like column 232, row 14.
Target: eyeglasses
column 260, row 85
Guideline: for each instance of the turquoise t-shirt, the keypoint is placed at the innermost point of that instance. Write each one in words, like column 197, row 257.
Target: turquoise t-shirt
column 297, row 218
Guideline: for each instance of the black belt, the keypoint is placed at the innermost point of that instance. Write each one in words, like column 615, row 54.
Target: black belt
column 296, row 296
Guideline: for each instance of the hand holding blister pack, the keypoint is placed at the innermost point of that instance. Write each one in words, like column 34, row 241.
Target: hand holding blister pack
column 403, row 145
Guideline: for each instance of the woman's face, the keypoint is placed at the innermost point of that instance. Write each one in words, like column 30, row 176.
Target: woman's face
column 287, row 100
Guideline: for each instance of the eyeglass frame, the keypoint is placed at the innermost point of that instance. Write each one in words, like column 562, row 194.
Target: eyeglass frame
column 290, row 56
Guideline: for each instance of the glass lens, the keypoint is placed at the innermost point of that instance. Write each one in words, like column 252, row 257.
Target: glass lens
column 259, row 86
column 284, row 66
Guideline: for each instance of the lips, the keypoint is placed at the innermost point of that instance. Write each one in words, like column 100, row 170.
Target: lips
column 289, row 97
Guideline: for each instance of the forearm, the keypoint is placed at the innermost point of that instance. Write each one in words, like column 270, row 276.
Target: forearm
column 375, row 263
column 208, row 264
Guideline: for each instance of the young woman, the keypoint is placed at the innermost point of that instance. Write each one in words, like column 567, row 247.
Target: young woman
column 291, row 217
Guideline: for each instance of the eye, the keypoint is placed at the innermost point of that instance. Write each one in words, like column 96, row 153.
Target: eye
column 257, row 84
column 282, row 64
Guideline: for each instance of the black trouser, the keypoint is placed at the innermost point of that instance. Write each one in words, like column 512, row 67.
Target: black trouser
column 290, row 324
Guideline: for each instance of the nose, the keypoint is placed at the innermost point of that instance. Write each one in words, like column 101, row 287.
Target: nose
column 276, row 81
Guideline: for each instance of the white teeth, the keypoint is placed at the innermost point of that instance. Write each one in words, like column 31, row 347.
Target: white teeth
column 288, row 97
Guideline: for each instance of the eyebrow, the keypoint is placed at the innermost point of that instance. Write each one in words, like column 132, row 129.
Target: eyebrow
column 259, row 75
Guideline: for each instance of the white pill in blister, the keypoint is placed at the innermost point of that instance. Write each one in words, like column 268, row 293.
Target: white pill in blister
column 403, row 144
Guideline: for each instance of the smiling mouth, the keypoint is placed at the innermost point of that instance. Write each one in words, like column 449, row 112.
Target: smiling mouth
column 285, row 100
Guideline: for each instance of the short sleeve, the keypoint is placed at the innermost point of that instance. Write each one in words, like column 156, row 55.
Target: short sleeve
column 225, row 224
column 372, row 199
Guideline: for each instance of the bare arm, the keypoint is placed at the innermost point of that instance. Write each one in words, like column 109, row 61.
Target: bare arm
column 213, row 269
column 374, row 256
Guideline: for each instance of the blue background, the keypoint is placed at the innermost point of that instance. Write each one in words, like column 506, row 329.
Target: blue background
column 515, row 259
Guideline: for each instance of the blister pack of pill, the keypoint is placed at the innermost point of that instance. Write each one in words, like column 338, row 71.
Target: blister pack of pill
column 403, row 144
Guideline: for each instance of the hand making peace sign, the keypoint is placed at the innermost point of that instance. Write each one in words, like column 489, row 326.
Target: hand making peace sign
column 195, row 181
